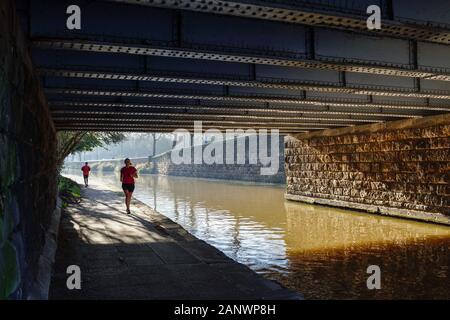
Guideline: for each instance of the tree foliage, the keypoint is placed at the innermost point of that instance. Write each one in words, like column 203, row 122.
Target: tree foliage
column 70, row 142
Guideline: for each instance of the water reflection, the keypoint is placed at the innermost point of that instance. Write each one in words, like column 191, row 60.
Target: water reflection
column 321, row 252
column 222, row 215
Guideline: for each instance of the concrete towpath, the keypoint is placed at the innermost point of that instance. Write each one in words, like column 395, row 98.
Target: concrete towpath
column 145, row 256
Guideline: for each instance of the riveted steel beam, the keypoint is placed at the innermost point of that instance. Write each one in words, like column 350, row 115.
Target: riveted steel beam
column 231, row 119
column 322, row 63
column 145, row 129
column 187, row 125
column 89, row 123
column 173, row 127
column 133, row 108
column 200, row 115
column 335, row 18
column 183, row 121
column 236, row 99
column 265, row 84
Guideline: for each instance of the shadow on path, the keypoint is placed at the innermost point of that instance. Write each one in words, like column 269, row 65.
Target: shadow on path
column 145, row 256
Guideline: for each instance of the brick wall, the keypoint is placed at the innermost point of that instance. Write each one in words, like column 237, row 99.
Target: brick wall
column 399, row 168
column 27, row 157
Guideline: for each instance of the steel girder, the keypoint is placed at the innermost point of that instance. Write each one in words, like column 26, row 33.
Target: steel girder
column 169, row 33
column 267, row 83
column 400, row 20
column 133, row 108
column 309, row 42
column 267, row 100
column 183, row 118
column 187, row 125
column 146, row 129
column 237, row 56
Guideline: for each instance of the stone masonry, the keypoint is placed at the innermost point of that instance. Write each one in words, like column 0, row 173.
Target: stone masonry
column 399, row 168
column 162, row 164
column 27, row 157
column 241, row 172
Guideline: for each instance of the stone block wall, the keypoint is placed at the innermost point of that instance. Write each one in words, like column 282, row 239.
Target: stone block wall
column 399, row 168
column 105, row 165
column 163, row 165
column 27, row 157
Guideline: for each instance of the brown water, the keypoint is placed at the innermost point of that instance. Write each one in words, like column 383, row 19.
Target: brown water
column 318, row 251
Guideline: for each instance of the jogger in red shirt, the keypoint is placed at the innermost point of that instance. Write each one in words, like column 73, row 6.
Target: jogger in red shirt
column 86, row 170
column 127, row 176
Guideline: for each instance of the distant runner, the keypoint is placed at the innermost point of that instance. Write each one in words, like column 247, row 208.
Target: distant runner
column 127, row 176
column 86, row 170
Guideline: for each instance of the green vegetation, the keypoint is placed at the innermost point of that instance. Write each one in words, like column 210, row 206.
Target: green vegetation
column 69, row 191
column 9, row 263
column 136, row 145
column 9, row 270
column 72, row 142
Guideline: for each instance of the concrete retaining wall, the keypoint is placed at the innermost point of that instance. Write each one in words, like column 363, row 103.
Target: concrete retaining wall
column 27, row 172
column 399, row 168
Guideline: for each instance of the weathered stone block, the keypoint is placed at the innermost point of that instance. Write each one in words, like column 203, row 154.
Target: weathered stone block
column 27, row 150
column 398, row 168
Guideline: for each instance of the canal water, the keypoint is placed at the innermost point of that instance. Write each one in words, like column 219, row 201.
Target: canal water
column 319, row 251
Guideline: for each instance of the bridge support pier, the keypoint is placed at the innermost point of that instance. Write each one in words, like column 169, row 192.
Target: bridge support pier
column 398, row 168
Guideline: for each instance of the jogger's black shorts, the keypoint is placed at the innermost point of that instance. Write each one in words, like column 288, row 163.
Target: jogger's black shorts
column 128, row 186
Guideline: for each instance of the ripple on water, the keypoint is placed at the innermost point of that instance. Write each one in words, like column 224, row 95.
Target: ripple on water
column 319, row 251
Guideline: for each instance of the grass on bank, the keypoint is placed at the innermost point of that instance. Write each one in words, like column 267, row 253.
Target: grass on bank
column 69, row 191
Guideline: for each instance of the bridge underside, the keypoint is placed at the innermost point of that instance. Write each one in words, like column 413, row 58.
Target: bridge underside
column 160, row 65
column 296, row 66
